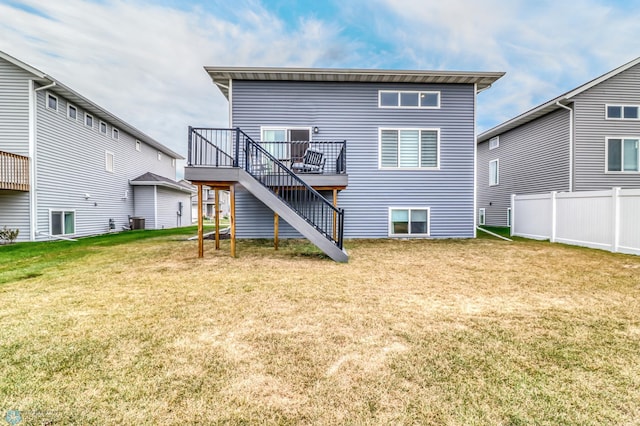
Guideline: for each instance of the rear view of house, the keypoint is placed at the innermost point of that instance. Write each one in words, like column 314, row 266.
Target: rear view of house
column 584, row 140
column 69, row 168
column 344, row 153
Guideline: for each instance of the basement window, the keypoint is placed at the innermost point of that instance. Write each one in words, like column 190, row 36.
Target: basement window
column 409, row 222
column 62, row 222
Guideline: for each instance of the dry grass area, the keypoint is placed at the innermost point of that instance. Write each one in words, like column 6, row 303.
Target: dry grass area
column 408, row 332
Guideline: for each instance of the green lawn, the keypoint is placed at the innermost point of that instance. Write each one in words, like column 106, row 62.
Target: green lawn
column 135, row 329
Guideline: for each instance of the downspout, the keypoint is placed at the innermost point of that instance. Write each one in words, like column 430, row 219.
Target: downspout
column 570, row 143
column 475, row 162
column 33, row 137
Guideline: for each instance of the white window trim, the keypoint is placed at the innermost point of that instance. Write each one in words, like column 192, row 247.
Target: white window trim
column 106, row 128
column 497, row 161
column 482, row 216
column 496, row 144
column 286, row 129
column 159, row 156
column 437, row 167
column 85, row 120
column 115, row 134
column 63, row 211
column 138, row 145
column 606, row 112
column 509, row 216
column 606, row 156
column 49, row 95
column 390, row 223
column 431, row 92
column 106, row 161
column 69, row 107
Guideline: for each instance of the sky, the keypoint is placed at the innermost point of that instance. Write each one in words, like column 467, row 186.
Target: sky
column 143, row 60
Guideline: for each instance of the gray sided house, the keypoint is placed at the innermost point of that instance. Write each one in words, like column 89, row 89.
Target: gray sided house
column 392, row 152
column 67, row 166
column 584, row 140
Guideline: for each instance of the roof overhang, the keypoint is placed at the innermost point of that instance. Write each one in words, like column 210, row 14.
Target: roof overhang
column 174, row 186
column 222, row 75
column 552, row 105
column 87, row 105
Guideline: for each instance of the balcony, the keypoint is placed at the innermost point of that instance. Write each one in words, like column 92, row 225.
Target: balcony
column 14, row 172
column 214, row 153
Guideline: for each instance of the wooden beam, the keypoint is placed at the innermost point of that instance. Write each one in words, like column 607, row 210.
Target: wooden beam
column 217, row 207
column 232, row 213
column 276, row 221
column 200, row 224
column 335, row 215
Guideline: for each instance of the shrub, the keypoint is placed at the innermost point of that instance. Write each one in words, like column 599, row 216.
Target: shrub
column 8, row 235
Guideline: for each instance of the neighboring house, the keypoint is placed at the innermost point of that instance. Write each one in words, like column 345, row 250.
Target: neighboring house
column 392, row 152
column 66, row 163
column 208, row 203
column 585, row 139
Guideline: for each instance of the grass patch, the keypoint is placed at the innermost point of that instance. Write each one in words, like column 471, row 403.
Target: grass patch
column 140, row 331
column 503, row 231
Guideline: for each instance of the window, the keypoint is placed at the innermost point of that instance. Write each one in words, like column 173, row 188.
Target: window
column 88, row 120
column 409, row 148
column 494, row 173
column 72, row 112
column 108, row 161
column 623, row 155
column 297, row 142
column 52, row 102
column 408, row 99
column 159, row 156
column 138, row 145
column 62, row 222
column 408, row 222
column 494, row 142
column 173, row 162
column 481, row 216
column 509, row 216
column 103, row 127
column 115, row 133
column 622, row 112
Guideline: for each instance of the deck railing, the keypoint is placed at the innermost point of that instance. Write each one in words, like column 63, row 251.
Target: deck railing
column 234, row 148
column 14, row 172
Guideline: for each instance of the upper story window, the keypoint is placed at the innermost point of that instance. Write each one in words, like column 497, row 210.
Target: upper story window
column 115, row 133
column 52, row 102
column 159, row 156
column 408, row 99
column 494, row 142
column 623, row 112
column 409, row 148
column 88, row 120
column 623, row 155
column 173, row 162
column 494, row 172
column 138, row 144
column 72, row 112
column 103, row 127
column 108, row 158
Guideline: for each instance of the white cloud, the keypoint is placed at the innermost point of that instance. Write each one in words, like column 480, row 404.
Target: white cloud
column 144, row 62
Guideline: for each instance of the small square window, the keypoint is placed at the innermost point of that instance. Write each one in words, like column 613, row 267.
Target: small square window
column 115, row 134
column 52, row 102
column 409, row 99
column 72, row 112
column 631, row 112
column 494, row 142
column 614, row 111
column 429, row 100
column 88, row 120
column 137, row 145
column 389, row 99
column 159, row 156
column 103, row 127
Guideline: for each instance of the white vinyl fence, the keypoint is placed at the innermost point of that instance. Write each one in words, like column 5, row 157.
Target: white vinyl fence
column 608, row 220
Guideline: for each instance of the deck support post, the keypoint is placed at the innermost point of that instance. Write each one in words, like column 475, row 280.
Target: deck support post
column 335, row 215
column 232, row 214
column 276, row 224
column 217, row 207
column 200, row 223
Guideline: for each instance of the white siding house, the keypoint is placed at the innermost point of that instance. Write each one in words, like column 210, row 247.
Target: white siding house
column 66, row 163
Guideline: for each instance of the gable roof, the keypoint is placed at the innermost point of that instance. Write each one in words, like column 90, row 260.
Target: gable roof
column 152, row 179
column 87, row 105
column 222, row 75
column 552, row 105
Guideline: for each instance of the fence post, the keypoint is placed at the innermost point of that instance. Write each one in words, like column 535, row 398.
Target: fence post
column 615, row 198
column 554, row 217
column 512, row 230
